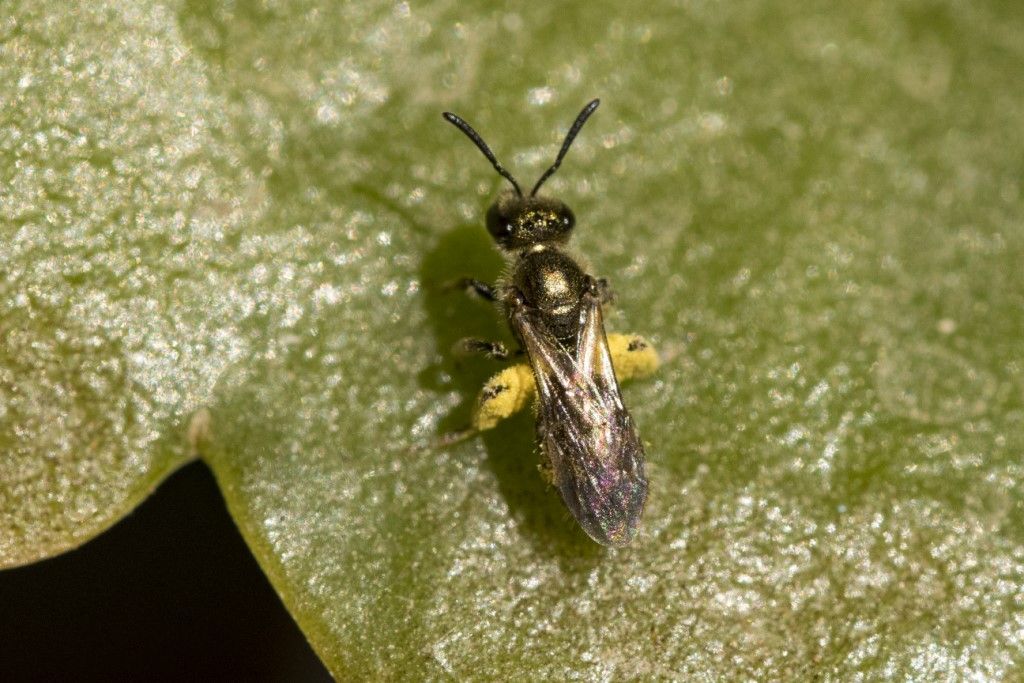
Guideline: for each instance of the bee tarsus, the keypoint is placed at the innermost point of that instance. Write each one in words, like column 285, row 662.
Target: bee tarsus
column 471, row 345
column 481, row 289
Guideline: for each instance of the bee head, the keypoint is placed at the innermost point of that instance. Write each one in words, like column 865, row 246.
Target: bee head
column 518, row 222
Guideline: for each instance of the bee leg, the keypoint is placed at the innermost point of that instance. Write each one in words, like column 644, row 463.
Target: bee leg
column 604, row 291
column 547, row 472
column 481, row 289
column 632, row 356
column 504, row 394
column 495, row 350
column 452, row 438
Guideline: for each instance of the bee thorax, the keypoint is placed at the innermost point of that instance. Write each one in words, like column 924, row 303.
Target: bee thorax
column 552, row 284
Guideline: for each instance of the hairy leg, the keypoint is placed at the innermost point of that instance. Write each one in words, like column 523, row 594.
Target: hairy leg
column 508, row 392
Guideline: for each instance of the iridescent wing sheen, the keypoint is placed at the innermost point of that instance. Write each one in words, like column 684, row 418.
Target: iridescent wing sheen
column 584, row 429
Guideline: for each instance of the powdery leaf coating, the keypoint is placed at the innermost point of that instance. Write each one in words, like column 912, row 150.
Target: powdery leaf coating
column 813, row 211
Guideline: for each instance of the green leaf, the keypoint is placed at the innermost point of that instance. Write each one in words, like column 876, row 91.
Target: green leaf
column 230, row 227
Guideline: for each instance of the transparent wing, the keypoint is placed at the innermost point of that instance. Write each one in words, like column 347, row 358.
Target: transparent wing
column 585, row 431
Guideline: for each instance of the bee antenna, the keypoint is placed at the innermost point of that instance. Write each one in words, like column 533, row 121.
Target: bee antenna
column 577, row 124
column 461, row 124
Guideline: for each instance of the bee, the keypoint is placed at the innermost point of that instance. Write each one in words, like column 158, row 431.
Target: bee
column 590, row 450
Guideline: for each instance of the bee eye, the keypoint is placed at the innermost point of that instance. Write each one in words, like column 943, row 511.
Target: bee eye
column 568, row 219
column 498, row 224
column 500, row 228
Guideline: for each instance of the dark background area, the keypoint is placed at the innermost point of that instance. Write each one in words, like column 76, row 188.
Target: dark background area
column 171, row 593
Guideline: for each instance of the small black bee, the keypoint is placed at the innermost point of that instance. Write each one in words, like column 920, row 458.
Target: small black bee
column 590, row 449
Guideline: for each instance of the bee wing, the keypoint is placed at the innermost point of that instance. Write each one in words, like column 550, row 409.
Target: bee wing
column 585, row 431
column 592, row 354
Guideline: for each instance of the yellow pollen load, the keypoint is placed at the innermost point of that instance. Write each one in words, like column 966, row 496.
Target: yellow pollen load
column 508, row 392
